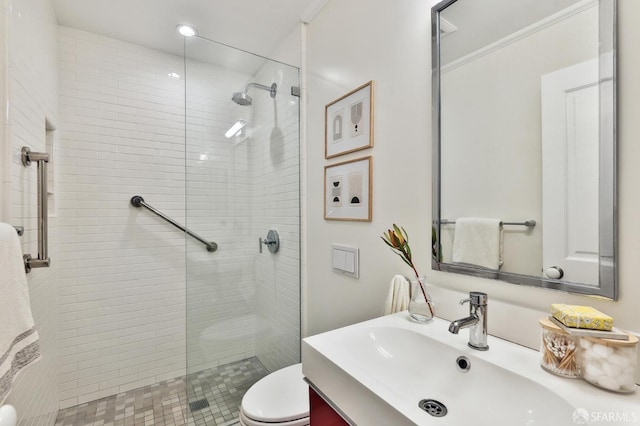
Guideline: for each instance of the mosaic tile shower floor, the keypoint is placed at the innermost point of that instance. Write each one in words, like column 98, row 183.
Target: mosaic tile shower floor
column 208, row 398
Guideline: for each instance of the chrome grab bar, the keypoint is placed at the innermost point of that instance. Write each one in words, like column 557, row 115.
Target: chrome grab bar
column 42, row 158
column 138, row 201
column 528, row 223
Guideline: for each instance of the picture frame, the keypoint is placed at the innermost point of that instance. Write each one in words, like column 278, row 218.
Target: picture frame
column 348, row 190
column 348, row 122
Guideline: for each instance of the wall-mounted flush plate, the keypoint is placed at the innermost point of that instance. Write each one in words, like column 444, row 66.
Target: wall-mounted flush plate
column 345, row 260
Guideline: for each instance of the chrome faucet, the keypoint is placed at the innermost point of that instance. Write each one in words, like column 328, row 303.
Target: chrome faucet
column 476, row 321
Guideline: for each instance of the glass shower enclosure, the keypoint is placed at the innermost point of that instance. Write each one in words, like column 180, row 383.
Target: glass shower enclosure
column 242, row 185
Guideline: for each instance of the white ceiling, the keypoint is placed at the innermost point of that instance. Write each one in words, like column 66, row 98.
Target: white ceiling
column 482, row 22
column 256, row 26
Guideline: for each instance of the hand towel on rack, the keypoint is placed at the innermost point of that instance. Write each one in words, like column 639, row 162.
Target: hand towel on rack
column 19, row 344
column 398, row 297
column 478, row 241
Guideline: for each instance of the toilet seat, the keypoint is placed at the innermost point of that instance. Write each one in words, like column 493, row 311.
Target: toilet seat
column 245, row 421
column 280, row 398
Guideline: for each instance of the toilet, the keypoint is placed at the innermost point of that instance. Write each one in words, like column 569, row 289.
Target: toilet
column 279, row 399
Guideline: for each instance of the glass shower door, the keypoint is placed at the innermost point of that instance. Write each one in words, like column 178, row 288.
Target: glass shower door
column 242, row 180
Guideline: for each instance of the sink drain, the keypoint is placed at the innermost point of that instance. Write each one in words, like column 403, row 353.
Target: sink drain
column 433, row 407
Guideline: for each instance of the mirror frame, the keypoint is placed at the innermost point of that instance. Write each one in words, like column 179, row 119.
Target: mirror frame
column 607, row 232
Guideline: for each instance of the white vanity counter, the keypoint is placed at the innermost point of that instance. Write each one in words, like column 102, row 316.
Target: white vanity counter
column 376, row 372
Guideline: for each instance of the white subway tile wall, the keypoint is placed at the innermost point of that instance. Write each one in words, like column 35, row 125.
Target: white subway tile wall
column 123, row 271
column 220, row 285
column 237, row 189
column 33, row 100
column 275, row 176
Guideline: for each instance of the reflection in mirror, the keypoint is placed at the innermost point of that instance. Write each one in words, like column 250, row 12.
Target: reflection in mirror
column 524, row 149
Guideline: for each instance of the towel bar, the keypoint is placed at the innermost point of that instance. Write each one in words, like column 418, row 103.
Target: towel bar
column 42, row 158
column 528, row 223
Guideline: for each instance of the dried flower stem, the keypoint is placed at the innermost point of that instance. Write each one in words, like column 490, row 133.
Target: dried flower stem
column 398, row 240
column 424, row 293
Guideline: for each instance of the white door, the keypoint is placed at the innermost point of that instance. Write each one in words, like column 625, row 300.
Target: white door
column 570, row 134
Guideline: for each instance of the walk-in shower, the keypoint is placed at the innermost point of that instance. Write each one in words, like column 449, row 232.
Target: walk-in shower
column 243, row 303
column 243, row 98
column 167, row 323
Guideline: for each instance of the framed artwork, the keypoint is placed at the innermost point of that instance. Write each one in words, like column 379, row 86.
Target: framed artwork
column 347, row 190
column 348, row 122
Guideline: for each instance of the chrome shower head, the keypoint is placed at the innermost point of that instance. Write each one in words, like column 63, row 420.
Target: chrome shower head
column 242, row 98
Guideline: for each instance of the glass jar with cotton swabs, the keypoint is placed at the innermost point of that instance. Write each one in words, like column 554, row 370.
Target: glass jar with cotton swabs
column 558, row 350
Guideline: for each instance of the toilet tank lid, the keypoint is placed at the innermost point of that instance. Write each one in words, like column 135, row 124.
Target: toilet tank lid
column 280, row 396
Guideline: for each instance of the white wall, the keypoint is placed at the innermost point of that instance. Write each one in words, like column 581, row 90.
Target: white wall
column 32, row 93
column 350, row 43
column 288, row 49
column 5, row 146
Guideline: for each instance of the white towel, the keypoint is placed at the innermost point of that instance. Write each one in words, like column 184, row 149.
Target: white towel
column 398, row 297
column 19, row 344
column 478, row 241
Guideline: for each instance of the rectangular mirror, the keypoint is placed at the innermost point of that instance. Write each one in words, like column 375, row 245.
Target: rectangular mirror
column 524, row 119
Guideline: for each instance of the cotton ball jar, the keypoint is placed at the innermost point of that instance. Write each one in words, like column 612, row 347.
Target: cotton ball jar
column 609, row 364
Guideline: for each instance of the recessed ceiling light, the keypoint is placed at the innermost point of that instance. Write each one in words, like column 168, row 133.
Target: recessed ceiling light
column 186, row 30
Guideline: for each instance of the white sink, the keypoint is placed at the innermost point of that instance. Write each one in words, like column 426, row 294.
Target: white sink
column 377, row 372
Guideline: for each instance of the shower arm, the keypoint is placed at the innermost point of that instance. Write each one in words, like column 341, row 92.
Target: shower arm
column 257, row 85
column 273, row 89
